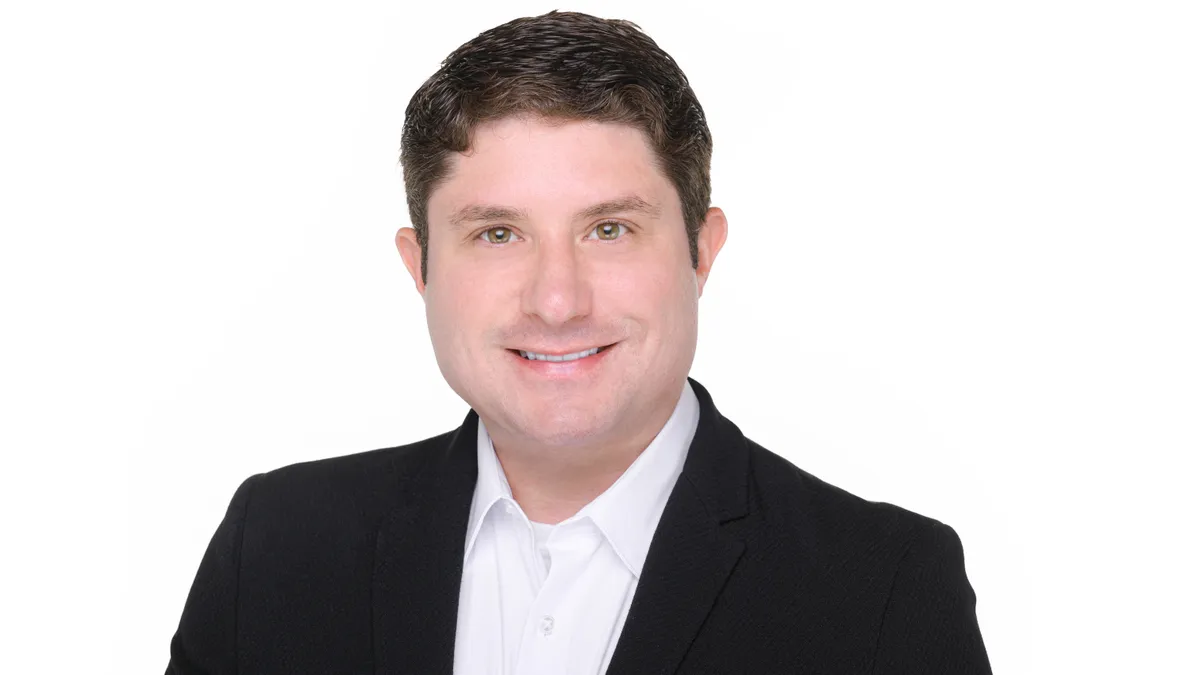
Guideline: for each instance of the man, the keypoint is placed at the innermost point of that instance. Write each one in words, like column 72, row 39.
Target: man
column 594, row 512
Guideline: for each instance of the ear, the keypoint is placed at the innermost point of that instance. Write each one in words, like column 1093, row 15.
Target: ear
column 708, row 244
column 410, row 251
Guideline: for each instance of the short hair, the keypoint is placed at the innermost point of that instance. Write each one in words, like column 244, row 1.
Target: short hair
column 561, row 66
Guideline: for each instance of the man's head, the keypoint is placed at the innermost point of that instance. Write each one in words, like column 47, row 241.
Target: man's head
column 557, row 175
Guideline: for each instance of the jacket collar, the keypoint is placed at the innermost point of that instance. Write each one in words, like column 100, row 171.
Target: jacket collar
column 420, row 546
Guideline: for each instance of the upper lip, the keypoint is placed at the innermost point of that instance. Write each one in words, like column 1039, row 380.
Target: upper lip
column 562, row 352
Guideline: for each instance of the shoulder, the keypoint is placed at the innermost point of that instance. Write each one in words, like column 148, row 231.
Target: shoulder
column 842, row 577
column 826, row 517
column 363, row 483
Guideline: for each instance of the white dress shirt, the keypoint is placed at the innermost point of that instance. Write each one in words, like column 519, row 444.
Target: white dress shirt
column 540, row 599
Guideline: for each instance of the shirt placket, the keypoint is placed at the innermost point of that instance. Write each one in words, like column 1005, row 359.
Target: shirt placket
column 546, row 641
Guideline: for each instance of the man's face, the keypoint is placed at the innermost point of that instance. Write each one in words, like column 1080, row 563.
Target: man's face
column 553, row 240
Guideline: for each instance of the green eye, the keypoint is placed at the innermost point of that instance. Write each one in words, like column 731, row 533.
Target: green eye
column 610, row 230
column 497, row 235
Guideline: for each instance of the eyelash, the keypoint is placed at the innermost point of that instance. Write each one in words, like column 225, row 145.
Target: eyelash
column 483, row 233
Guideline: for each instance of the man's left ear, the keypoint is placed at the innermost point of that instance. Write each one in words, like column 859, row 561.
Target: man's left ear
column 708, row 243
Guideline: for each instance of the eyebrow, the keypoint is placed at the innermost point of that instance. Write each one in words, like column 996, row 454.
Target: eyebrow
column 481, row 212
column 632, row 203
column 485, row 212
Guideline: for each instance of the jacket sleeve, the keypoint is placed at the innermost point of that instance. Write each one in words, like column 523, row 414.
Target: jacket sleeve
column 205, row 642
column 929, row 624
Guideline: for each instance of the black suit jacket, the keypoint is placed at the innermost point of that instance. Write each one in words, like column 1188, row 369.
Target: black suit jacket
column 352, row 566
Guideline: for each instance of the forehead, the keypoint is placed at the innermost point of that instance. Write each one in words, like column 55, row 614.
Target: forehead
column 551, row 166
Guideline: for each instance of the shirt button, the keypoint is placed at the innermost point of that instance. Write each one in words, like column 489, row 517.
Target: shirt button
column 547, row 625
column 508, row 508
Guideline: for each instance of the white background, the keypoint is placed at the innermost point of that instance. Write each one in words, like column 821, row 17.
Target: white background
column 961, row 276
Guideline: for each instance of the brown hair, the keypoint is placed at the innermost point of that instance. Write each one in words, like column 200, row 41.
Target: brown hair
column 560, row 65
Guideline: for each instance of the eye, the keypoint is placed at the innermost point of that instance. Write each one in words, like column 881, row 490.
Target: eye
column 497, row 235
column 609, row 230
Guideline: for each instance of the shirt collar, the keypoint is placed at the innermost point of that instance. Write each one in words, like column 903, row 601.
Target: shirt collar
column 491, row 486
column 627, row 513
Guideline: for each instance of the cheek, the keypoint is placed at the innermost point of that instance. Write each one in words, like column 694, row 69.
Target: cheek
column 661, row 297
column 465, row 306
column 453, row 311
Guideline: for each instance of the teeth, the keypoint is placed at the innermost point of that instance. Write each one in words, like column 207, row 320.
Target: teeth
column 534, row 356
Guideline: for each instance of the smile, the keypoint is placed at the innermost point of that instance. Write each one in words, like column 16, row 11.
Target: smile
column 534, row 356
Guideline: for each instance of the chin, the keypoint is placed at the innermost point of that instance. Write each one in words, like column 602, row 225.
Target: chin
column 562, row 427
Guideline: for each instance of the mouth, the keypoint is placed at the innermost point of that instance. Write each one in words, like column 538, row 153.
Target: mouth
column 559, row 358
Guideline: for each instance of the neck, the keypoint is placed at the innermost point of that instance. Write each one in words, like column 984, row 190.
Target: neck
column 553, row 483
column 551, row 494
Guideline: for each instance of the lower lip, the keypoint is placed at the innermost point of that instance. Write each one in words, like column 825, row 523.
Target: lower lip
column 564, row 369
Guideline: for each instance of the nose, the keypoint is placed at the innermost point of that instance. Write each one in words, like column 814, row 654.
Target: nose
column 558, row 289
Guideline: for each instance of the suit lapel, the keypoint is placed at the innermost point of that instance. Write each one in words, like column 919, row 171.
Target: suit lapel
column 419, row 559
column 691, row 555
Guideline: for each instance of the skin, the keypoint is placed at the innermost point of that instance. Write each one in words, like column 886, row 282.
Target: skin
column 517, row 261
